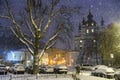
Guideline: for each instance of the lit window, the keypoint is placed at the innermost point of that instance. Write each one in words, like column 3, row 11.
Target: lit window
column 87, row 31
column 80, row 41
column 80, row 46
column 92, row 24
column 86, row 24
column 94, row 41
column 92, row 30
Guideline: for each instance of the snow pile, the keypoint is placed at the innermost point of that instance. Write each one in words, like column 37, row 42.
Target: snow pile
column 39, row 77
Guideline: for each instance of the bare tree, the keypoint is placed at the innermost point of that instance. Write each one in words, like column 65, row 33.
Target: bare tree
column 34, row 22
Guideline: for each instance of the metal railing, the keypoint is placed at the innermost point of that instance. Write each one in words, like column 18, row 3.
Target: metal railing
column 34, row 77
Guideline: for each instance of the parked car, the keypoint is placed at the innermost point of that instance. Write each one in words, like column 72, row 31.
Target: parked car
column 117, row 74
column 107, row 72
column 17, row 68
column 98, row 67
column 86, row 66
column 42, row 69
column 29, row 69
column 3, row 69
column 60, row 69
column 46, row 69
column 7, row 67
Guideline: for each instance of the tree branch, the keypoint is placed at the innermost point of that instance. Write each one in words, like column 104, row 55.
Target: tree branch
column 18, row 33
column 49, row 43
column 50, row 18
column 31, row 16
column 26, row 44
column 28, row 26
column 7, row 17
column 40, row 23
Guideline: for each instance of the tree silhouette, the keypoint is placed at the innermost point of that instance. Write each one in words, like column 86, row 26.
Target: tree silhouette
column 110, row 41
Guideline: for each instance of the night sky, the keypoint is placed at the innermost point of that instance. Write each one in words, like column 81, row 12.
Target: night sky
column 108, row 9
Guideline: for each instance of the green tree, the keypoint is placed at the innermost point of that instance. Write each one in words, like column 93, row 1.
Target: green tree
column 35, row 21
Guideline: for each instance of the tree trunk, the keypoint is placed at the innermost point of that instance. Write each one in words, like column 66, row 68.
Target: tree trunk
column 36, row 64
column 36, row 54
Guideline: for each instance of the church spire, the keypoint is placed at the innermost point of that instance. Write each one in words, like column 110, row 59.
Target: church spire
column 102, row 21
column 90, row 21
column 79, row 26
column 90, row 16
column 83, row 21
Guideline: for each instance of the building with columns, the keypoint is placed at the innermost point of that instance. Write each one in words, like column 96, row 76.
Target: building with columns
column 87, row 41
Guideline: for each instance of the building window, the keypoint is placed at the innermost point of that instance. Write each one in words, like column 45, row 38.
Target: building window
column 94, row 41
column 80, row 41
column 86, row 24
column 92, row 30
column 87, row 31
column 80, row 46
column 92, row 24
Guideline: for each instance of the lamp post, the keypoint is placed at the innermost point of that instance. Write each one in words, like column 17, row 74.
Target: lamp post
column 112, row 57
column 88, row 60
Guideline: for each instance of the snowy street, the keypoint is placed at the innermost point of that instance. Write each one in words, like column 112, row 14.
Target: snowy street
column 87, row 77
column 82, row 76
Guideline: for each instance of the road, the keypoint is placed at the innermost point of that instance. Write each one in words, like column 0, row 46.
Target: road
column 84, row 75
column 88, row 77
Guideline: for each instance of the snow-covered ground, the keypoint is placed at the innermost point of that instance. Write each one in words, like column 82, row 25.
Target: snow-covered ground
column 87, row 77
column 82, row 76
column 39, row 77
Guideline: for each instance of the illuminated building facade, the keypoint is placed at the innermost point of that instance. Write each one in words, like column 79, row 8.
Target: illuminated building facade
column 19, row 56
column 58, row 57
column 87, row 42
column 51, row 57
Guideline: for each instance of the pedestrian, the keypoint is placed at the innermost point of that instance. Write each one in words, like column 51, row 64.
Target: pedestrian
column 77, row 67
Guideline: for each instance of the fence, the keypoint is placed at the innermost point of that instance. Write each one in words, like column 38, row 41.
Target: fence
column 36, row 77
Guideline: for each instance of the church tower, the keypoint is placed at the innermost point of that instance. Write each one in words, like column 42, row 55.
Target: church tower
column 87, row 42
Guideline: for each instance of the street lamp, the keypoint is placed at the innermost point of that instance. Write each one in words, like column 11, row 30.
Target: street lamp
column 112, row 57
column 88, row 60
